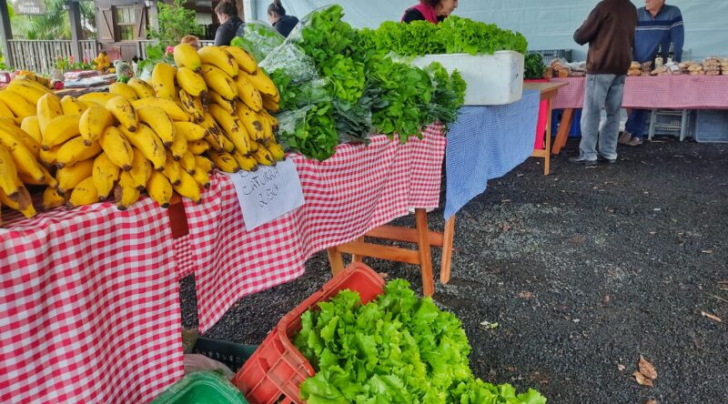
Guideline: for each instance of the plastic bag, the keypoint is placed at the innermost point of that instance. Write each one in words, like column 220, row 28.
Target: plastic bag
column 290, row 58
column 259, row 39
column 201, row 363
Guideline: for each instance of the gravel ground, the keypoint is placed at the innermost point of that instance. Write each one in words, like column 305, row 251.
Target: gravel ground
column 584, row 271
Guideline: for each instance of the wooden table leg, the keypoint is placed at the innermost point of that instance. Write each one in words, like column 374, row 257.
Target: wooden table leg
column 358, row 257
column 335, row 260
column 448, row 236
column 428, row 283
column 563, row 134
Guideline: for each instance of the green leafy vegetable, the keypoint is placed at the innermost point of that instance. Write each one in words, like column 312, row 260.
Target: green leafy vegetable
column 533, row 66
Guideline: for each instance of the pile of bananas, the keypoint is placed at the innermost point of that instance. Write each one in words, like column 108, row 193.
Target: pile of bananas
column 211, row 111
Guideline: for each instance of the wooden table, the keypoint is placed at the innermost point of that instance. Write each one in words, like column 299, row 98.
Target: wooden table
column 548, row 92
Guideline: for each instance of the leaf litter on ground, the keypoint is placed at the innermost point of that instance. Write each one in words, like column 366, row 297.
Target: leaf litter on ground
column 647, row 369
column 711, row 316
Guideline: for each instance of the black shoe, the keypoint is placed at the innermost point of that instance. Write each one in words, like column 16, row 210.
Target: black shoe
column 606, row 160
column 582, row 160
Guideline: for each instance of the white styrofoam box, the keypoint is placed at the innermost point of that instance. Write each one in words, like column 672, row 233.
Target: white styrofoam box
column 492, row 79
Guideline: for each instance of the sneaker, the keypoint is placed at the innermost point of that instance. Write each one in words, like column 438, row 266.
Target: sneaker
column 582, row 160
column 635, row 141
column 624, row 138
column 606, row 160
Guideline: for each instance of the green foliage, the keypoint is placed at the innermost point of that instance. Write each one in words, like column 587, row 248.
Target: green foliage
column 175, row 21
column 54, row 24
column 395, row 349
column 68, row 65
column 315, row 137
column 259, row 40
column 533, row 66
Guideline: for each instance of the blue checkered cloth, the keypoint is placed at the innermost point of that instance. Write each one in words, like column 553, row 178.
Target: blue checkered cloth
column 486, row 143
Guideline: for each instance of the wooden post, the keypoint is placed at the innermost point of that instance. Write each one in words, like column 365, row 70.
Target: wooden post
column 428, row 284
column 74, row 15
column 6, row 32
column 448, row 236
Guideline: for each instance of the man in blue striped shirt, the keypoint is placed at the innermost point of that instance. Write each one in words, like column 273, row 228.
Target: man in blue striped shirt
column 658, row 25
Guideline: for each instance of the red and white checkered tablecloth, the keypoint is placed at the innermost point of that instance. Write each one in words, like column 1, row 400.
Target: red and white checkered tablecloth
column 358, row 189
column 660, row 92
column 89, row 306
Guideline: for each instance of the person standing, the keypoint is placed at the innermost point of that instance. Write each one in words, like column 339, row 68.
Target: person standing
column 433, row 11
column 658, row 26
column 227, row 14
column 609, row 31
column 278, row 18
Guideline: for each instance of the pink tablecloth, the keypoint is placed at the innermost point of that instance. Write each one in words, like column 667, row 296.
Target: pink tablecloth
column 89, row 306
column 661, row 92
column 360, row 188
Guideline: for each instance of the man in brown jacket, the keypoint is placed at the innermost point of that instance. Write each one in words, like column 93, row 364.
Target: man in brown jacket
column 609, row 31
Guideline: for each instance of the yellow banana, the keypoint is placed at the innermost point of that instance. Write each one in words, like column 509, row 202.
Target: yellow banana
column 188, row 187
column 215, row 98
column 30, row 125
column 198, row 147
column 142, row 88
column 178, row 147
column 201, row 178
column 160, row 123
column 163, row 81
column 8, row 173
column 17, row 104
column 187, row 162
column 124, row 112
column 96, row 98
column 5, row 112
column 52, row 199
column 219, row 82
column 226, row 144
column 117, row 148
column 141, row 170
column 27, row 89
column 24, row 159
column 212, row 131
column 264, row 157
column 204, row 164
column 85, row 193
column 125, row 193
column 72, row 105
column 248, row 93
column 246, row 163
column 49, row 179
column 273, row 120
column 22, row 202
column 252, row 124
column 49, row 107
column 159, row 189
column 75, row 150
column 123, row 90
column 49, row 157
column 60, row 130
column 25, row 138
column 105, row 173
column 149, row 144
column 170, row 107
column 185, row 55
column 220, row 58
column 245, row 61
column 232, row 128
column 214, row 142
column 277, row 151
column 69, row 176
column 224, row 161
column 263, row 83
column 190, row 131
column 193, row 83
column 171, row 169
column 93, row 122
column 270, row 104
column 193, row 105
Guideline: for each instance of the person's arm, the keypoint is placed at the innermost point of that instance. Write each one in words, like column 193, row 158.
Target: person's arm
column 412, row 15
column 677, row 36
column 222, row 36
column 589, row 29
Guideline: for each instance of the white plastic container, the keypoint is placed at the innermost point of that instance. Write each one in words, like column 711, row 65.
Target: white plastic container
column 492, row 79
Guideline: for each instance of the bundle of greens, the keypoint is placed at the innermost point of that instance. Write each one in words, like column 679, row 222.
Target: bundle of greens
column 310, row 130
column 448, row 95
column 533, row 66
column 395, row 349
column 259, row 39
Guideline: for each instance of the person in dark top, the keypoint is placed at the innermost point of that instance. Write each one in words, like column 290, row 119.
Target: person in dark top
column 433, row 11
column 609, row 31
column 279, row 20
column 227, row 13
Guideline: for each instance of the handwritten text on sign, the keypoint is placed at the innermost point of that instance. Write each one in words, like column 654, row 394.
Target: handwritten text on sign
column 268, row 193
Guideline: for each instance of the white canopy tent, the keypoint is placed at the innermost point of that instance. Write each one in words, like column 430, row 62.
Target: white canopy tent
column 547, row 24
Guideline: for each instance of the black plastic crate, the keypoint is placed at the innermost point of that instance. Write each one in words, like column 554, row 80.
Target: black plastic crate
column 231, row 354
column 712, row 126
column 550, row 55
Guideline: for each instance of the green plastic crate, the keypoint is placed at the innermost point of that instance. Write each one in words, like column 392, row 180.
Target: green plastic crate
column 201, row 388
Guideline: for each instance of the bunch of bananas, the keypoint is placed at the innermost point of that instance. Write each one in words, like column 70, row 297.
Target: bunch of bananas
column 160, row 137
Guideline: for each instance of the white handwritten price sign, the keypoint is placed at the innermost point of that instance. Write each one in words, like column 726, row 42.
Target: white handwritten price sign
column 268, row 193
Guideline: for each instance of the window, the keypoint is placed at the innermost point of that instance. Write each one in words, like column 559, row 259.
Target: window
column 126, row 23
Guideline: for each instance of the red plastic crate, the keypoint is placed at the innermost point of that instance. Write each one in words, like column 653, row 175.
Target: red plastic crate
column 277, row 368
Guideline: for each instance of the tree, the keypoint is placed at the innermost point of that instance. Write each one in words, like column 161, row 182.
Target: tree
column 55, row 23
column 175, row 21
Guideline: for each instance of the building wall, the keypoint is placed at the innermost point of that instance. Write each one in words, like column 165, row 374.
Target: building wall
column 547, row 24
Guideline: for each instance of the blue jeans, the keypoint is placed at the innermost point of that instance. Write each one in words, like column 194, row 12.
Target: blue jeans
column 637, row 122
column 603, row 91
